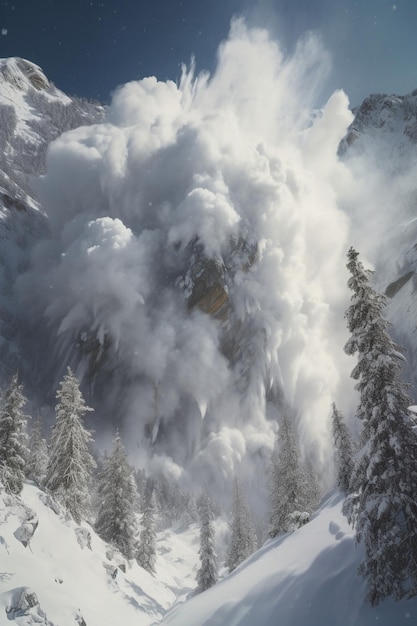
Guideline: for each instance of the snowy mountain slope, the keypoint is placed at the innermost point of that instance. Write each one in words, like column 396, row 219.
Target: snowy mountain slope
column 306, row 578
column 56, row 573
column 380, row 149
column 75, row 575
column 33, row 112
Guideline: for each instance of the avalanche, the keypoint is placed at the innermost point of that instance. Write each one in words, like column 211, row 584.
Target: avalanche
column 194, row 260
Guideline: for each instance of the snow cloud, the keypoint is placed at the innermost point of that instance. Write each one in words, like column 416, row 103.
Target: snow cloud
column 224, row 182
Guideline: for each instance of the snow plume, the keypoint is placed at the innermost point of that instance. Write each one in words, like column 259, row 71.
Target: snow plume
column 222, row 186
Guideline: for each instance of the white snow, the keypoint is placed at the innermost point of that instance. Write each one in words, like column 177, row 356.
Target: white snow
column 304, row 578
column 71, row 579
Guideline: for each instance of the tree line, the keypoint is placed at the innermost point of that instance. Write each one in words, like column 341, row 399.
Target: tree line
column 378, row 472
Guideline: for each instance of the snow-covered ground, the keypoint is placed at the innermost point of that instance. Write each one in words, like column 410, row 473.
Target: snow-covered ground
column 66, row 576
column 305, row 578
column 75, row 575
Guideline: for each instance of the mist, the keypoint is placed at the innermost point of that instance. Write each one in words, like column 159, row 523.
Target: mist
column 232, row 178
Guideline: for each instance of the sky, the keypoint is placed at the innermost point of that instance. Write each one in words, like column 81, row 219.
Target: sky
column 89, row 47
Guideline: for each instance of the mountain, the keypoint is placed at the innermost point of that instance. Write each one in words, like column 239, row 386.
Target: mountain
column 184, row 253
column 33, row 112
column 183, row 250
column 380, row 148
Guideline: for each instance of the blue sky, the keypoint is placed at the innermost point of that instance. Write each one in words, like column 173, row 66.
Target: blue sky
column 88, row 47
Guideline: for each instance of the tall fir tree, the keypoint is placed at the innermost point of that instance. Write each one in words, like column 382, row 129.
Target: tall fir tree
column 243, row 541
column 383, row 508
column 117, row 497
column 146, row 552
column 70, row 466
column 38, row 457
column 207, row 574
column 13, row 437
column 343, row 448
column 289, row 488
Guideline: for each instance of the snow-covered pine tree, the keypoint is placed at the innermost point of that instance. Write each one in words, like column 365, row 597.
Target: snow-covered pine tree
column 314, row 490
column 13, row 437
column 117, row 496
column 70, row 465
column 343, row 450
column 289, row 488
column 208, row 572
column 243, row 541
column 38, row 457
column 383, row 510
column 146, row 552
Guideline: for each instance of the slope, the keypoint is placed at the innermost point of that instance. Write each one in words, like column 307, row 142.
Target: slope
column 306, row 578
column 56, row 573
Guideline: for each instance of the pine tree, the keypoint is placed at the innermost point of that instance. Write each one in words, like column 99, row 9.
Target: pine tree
column 38, row 458
column 289, row 488
column 70, row 466
column 146, row 554
column 384, row 509
column 13, row 437
column 243, row 540
column 343, row 450
column 117, row 495
column 208, row 572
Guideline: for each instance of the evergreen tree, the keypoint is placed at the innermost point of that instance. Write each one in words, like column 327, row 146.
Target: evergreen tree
column 146, row 554
column 289, row 488
column 383, row 510
column 243, row 540
column 38, row 458
column 207, row 573
column 70, row 466
column 13, row 437
column 117, row 495
column 343, row 450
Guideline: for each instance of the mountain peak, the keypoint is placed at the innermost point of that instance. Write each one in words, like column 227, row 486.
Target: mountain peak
column 23, row 74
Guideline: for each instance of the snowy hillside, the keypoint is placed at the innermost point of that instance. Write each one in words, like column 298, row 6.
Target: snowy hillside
column 305, row 578
column 33, row 112
column 56, row 573
column 380, row 150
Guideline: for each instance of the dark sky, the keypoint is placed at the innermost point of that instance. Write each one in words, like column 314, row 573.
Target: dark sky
column 88, row 47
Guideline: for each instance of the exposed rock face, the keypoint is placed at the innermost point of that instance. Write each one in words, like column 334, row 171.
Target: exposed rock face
column 394, row 287
column 383, row 113
column 21, row 73
column 209, row 291
column 207, row 282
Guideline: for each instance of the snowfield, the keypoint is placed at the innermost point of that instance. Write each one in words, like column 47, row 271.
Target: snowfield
column 56, row 573
column 304, row 578
column 74, row 575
